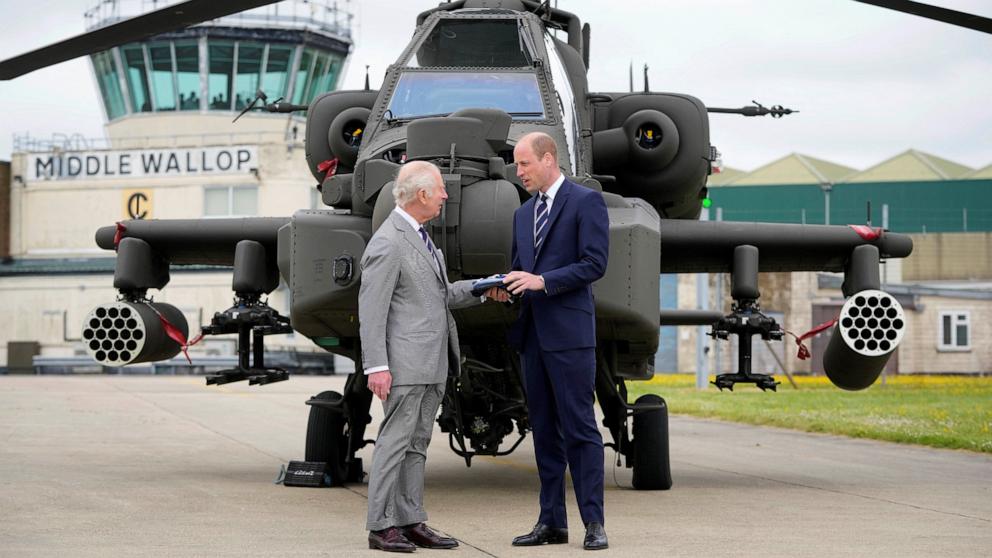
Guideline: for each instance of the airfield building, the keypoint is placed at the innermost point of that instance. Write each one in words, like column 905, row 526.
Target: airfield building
column 170, row 152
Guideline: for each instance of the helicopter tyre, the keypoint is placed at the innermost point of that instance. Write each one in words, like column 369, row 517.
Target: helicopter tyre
column 327, row 438
column 652, row 469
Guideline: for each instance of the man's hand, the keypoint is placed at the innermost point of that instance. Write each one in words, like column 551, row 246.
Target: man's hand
column 519, row 281
column 497, row 294
column 379, row 383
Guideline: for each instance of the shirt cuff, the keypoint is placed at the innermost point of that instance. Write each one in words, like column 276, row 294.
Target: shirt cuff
column 375, row 369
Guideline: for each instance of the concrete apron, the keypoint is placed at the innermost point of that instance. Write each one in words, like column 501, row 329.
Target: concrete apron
column 166, row 466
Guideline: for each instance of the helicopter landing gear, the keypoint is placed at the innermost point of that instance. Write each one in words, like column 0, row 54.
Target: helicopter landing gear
column 336, row 429
column 647, row 452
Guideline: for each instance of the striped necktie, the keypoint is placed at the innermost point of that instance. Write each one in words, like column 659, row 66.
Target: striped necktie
column 430, row 247
column 541, row 222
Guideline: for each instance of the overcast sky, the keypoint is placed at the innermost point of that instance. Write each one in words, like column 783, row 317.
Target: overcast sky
column 869, row 82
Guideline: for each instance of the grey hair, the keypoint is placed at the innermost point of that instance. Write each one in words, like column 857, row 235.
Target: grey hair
column 412, row 177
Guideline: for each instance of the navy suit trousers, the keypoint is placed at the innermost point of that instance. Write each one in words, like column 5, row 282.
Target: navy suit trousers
column 560, row 397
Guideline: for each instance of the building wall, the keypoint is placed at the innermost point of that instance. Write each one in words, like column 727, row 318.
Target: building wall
column 949, row 256
column 58, row 219
column 920, row 352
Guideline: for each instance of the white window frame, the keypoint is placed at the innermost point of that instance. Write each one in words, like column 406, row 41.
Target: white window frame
column 230, row 188
column 955, row 316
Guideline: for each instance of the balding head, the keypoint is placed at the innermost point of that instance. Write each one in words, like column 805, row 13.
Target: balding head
column 541, row 144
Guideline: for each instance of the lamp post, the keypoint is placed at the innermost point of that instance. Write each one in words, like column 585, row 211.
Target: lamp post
column 827, row 187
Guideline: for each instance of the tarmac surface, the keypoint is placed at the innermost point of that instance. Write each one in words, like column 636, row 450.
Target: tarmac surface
column 167, row 466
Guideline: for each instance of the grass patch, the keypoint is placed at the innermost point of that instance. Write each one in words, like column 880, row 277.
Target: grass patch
column 938, row 411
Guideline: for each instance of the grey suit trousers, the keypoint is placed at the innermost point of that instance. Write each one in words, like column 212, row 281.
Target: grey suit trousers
column 396, row 478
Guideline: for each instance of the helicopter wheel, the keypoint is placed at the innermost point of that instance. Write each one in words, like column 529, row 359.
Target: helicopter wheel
column 652, row 470
column 327, row 439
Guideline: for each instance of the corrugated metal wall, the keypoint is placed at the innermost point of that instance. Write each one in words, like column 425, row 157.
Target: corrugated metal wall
column 914, row 207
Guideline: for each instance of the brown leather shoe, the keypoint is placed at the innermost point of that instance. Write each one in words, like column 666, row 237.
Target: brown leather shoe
column 425, row 537
column 390, row 540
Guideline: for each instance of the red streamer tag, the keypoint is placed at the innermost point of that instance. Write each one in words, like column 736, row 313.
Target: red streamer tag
column 118, row 234
column 803, row 352
column 866, row 232
column 329, row 167
column 176, row 335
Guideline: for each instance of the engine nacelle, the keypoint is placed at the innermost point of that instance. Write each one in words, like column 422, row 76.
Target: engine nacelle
column 122, row 333
column 335, row 125
column 657, row 146
column 870, row 327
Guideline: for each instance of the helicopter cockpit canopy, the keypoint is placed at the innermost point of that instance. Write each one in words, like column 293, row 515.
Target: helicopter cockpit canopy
column 477, row 63
column 420, row 94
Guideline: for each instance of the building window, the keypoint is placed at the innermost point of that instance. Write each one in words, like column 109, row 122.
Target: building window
column 221, row 77
column 188, row 75
column 230, row 201
column 955, row 331
column 137, row 78
column 277, row 71
column 162, row 72
column 249, row 68
column 303, row 74
column 110, row 88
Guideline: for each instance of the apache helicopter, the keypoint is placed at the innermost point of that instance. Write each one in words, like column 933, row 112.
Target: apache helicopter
column 476, row 76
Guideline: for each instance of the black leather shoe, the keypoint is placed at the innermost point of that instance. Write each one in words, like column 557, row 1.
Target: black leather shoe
column 542, row 534
column 425, row 537
column 595, row 537
column 390, row 540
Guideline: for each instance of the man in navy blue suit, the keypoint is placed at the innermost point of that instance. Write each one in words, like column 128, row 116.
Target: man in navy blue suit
column 560, row 247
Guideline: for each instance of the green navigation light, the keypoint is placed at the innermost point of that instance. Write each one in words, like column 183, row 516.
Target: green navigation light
column 707, row 203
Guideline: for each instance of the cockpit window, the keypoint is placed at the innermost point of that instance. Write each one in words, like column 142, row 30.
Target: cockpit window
column 442, row 93
column 473, row 44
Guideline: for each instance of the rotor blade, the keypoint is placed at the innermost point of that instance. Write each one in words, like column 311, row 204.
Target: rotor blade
column 962, row 19
column 171, row 18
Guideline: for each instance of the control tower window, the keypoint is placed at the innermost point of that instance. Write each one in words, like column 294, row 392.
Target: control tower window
column 440, row 93
column 188, row 75
column 277, row 71
column 249, row 69
column 470, row 43
column 137, row 78
column 165, row 87
column 110, row 88
column 220, row 80
column 303, row 75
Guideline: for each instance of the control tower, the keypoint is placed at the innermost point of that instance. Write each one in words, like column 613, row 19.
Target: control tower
column 195, row 80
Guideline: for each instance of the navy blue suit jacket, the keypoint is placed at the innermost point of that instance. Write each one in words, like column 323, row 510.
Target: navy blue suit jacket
column 573, row 255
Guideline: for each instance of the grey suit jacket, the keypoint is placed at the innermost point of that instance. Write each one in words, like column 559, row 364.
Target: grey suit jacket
column 403, row 302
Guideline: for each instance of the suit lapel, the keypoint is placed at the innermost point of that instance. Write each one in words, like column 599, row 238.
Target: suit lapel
column 417, row 243
column 556, row 208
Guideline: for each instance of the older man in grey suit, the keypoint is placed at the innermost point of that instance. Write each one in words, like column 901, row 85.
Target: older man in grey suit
column 407, row 334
